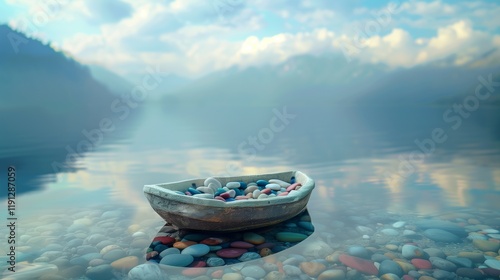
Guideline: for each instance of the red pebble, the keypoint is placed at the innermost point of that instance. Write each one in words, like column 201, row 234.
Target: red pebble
column 283, row 194
column 408, row 277
column 231, row 253
column 292, row 187
column 361, row 265
column 225, row 195
column 167, row 240
column 188, row 193
column 220, row 198
column 421, row 263
column 266, row 191
column 212, row 241
column 491, row 271
column 241, row 197
column 241, row 244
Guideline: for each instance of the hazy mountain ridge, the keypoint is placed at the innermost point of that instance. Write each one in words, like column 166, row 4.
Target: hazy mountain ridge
column 329, row 80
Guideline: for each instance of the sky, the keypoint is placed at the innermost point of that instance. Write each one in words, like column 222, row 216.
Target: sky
column 192, row 38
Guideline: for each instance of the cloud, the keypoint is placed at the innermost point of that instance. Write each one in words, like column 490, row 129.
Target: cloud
column 108, row 10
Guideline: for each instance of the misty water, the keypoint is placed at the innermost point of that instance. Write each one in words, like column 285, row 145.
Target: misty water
column 368, row 165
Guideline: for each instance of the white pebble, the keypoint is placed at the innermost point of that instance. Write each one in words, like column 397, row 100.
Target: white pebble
column 233, row 185
column 211, row 180
column 213, row 186
column 203, row 195
column 274, row 187
column 205, row 190
column 280, row 182
column 256, row 194
column 262, row 196
column 399, row 224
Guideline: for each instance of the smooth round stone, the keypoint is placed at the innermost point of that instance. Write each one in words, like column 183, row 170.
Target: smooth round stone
column 490, row 230
column 359, row 251
column 204, row 195
column 265, row 245
column 442, row 264
column 362, row 265
column 469, row 273
column 145, row 272
column 494, row 235
column 486, row 245
column 492, row 263
column 441, row 236
column 72, row 272
column 444, row 225
column 332, row 274
column 389, row 266
column 392, row 247
column 475, row 235
column 256, row 194
column 312, row 269
column 231, row 253
column 251, row 189
column 232, row 276
column 211, row 180
column 114, row 255
column 263, row 196
column 443, row 274
column 421, row 263
column 282, row 184
column 183, row 244
column 100, row 272
column 379, row 258
column 390, row 231
column 291, row 270
column 461, row 262
column 399, row 224
column 253, row 271
column 306, row 225
column 290, row 236
column 214, row 261
column 196, row 250
column 248, row 256
column 473, row 256
column 261, row 183
column 434, row 252
column 125, row 263
column 389, row 276
column 166, row 240
column 410, row 251
column 95, row 238
column 214, row 187
column 242, row 244
column 206, row 190
column 177, row 260
column 170, row 251
column 233, row 185
column 211, row 241
column 253, row 238
column 409, row 233
column 274, row 187
column 215, row 248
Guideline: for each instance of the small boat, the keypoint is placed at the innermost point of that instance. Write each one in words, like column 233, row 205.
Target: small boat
column 195, row 213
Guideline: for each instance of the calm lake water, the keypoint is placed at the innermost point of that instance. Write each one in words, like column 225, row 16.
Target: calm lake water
column 366, row 161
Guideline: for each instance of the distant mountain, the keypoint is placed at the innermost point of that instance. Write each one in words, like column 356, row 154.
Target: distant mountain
column 115, row 83
column 48, row 101
column 329, row 80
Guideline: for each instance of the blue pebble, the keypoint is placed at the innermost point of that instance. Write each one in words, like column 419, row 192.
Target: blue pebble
column 306, row 225
column 230, row 199
column 159, row 248
column 220, row 191
column 239, row 192
column 194, row 191
column 262, row 183
column 243, row 185
column 292, row 180
column 193, row 185
column 215, row 261
column 154, row 243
